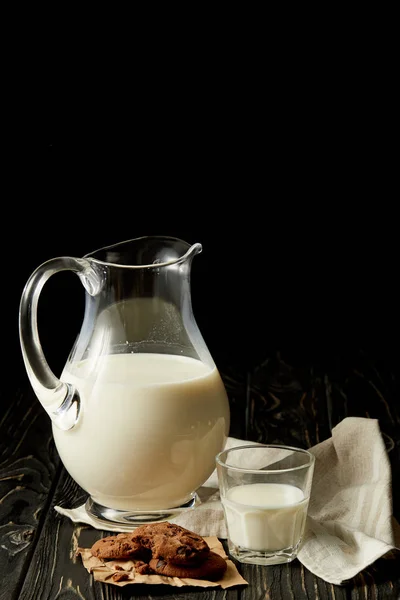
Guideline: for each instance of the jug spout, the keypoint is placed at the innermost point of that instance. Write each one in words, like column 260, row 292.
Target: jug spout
column 193, row 250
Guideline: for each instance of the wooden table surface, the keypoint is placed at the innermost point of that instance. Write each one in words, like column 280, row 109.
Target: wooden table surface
column 277, row 401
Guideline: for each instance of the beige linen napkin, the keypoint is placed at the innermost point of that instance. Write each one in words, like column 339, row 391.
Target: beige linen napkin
column 349, row 523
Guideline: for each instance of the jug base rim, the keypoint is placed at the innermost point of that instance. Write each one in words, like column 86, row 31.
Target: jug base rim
column 130, row 519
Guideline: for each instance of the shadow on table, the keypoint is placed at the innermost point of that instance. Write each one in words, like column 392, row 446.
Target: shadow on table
column 383, row 570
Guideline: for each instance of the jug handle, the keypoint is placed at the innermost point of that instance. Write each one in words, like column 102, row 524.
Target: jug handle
column 60, row 400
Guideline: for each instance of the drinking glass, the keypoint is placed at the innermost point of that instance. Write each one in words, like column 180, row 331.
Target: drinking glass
column 265, row 490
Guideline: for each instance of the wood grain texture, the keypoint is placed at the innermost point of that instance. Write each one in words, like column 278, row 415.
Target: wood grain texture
column 287, row 405
column 279, row 401
column 288, row 582
column 235, row 381
column 29, row 468
column 55, row 571
column 300, row 407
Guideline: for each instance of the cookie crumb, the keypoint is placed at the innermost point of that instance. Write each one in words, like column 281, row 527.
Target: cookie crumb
column 120, row 576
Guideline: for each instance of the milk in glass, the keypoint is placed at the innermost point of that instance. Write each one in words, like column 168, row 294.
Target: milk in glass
column 265, row 516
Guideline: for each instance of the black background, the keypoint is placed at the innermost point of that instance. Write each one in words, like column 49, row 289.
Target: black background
column 299, row 257
column 292, row 195
column 276, row 149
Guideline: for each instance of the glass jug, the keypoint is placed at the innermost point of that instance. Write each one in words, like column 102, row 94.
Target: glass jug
column 140, row 411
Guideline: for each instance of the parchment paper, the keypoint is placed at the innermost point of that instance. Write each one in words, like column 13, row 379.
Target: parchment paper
column 122, row 572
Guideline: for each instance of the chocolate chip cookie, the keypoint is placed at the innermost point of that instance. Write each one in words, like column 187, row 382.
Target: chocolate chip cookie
column 212, row 568
column 121, row 546
column 165, row 549
column 172, row 543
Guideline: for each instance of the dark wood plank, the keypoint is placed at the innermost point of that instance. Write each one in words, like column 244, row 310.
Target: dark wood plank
column 29, row 468
column 287, row 404
column 288, row 582
column 56, row 572
column 235, row 381
column 300, row 406
column 290, row 404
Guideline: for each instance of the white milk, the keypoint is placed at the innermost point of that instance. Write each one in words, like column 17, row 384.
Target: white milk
column 150, row 428
column 265, row 516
